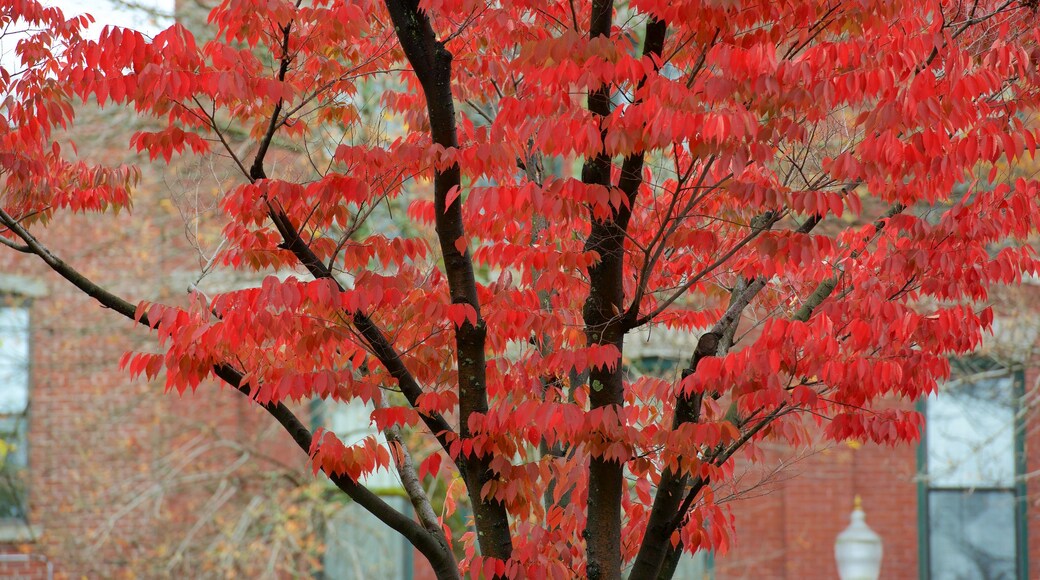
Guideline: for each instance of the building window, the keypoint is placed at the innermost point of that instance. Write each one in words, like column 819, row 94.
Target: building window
column 14, row 409
column 972, row 495
column 655, row 366
column 358, row 544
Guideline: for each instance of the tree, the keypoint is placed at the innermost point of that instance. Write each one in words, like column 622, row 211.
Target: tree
column 777, row 178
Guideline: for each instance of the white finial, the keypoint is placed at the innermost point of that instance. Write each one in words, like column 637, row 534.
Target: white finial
column 858, row 548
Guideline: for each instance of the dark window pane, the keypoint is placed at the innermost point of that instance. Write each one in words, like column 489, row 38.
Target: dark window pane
column 972, row 535
column 655, row 366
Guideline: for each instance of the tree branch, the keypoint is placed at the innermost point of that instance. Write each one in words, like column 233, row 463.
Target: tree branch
column 442, row 560
column 14, row 246
column 826, row 287
column 602, row 311
column 653, row 552
column 377, row 341
column 431, row 61
column 819, row 294
column 413, row 487
column 758, row 225
column 381, row 347
column 256, row 171
column 671, row 559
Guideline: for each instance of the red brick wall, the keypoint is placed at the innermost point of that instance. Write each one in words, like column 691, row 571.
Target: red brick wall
column 101, row 487
column 786, row 528
column 18, row 566
column 98, row 441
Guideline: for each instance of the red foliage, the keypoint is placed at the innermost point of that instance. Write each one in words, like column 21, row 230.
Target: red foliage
column 836, row 173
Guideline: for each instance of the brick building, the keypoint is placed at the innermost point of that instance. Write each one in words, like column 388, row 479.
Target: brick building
column 960, row 505
column 963, row 504
column 104, row 471
column 101, row 450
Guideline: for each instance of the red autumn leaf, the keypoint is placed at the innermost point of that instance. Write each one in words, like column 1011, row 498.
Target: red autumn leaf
column 813, row 193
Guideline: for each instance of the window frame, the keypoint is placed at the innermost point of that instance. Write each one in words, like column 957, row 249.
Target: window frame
column 1017, row 374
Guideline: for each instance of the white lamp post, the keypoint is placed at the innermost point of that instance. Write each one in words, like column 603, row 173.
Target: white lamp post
column 858, row 549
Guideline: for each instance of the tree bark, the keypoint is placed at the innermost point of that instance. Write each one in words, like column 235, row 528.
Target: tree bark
column 604, row 323
column 431, row 61
column 670, row 491
column 606, row 295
